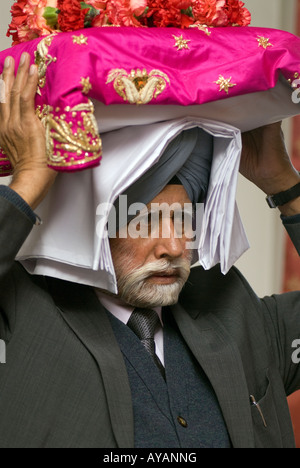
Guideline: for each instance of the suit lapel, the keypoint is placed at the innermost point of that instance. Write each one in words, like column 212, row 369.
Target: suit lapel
column 84, row 314
column 220, row 359
column 210, row 343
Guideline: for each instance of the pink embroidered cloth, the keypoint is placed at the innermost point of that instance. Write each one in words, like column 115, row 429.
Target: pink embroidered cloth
column 146, row 67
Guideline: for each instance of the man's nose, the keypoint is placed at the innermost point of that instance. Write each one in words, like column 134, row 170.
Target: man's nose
column 169, row 244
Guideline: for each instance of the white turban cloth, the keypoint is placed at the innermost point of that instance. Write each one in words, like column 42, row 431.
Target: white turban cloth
column 72, row 243
column 186, row 161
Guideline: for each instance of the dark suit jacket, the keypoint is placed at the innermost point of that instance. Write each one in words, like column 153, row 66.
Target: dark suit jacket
column 65, row 383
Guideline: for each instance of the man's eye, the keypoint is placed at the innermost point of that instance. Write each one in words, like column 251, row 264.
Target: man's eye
column 183, row 223
column 181, row 217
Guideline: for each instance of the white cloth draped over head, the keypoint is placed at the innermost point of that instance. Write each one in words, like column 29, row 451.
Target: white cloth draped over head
column 72, row 243
column 187, row 159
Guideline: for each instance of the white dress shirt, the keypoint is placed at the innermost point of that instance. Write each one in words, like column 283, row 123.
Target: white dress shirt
column 123, row 312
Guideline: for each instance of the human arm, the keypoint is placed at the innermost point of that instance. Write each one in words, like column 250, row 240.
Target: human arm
column 266, row 163
column 15, row 227
column 22, row 135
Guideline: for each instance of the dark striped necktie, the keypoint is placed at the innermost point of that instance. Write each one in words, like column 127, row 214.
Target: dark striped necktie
column 143, row 322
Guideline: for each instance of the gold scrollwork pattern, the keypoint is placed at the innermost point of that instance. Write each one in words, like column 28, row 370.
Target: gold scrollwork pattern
column 201, row 27
column 291, row 81
column 43, row 59
column 138, row 86
column 72, row 138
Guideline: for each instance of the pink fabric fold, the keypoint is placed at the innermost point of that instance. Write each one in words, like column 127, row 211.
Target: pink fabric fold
column 140, row 66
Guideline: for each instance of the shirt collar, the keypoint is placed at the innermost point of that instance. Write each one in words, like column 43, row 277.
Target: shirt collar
column 120, row 310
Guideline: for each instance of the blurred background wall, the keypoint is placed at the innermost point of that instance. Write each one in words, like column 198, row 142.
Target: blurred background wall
column 4, row 21
column 271, row 265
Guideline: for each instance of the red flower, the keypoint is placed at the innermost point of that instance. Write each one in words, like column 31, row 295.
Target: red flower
column 28, row 21
column 210, row 12
column 221, row 12
column 71, row 16
column 19, row 19
column 98, row 4
column 237, row 14
column 172, row 13
column 99, row 20
column 119, row 13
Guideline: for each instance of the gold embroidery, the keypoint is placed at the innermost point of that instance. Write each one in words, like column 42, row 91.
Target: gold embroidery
column 138, row 87
column 5, row 170
column 264, row 42
column 80, row 40
column 86, row 85
column 84, row 142
column 201, row 27
column 296, row 76
column 5, row 165
column 43, row 59
column 181, row 43
column 224, row 84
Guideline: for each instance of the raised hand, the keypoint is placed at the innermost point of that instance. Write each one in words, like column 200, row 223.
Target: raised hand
column 266, row 163
column 22, row 135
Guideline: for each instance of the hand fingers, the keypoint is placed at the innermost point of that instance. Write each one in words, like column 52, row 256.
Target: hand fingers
column 19, row 91
column 27, row 102
column 8, row 77
column 17, row 114
column 19, row 85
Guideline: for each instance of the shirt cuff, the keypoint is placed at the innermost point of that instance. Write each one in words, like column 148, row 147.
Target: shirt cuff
column 14, row 198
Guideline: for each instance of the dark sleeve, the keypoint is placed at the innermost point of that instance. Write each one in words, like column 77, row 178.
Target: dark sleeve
column 15, row 227
column 292, row 225
column 283, row 323
column 11, row 196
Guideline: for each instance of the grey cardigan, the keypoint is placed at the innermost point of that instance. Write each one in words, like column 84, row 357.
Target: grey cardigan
column 65, row 383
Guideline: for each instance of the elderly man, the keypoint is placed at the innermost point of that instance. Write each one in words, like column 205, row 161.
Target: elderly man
column 160, row 365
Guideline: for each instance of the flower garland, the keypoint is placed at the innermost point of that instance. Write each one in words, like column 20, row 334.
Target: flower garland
column 35, row 18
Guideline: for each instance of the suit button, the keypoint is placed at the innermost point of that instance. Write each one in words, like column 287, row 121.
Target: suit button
column 182, row 421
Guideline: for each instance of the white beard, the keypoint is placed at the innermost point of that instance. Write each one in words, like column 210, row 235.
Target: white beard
column 135, row 290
